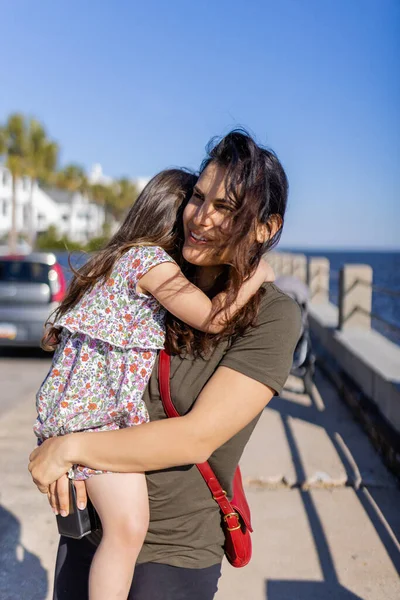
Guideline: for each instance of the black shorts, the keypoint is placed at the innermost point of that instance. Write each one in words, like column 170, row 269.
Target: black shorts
column 151, row 580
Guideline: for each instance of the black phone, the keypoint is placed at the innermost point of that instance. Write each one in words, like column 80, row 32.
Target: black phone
column 78, row 523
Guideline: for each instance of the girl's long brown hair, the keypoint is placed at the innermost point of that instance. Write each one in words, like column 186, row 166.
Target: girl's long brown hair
column 257, row 186
column 151, row 221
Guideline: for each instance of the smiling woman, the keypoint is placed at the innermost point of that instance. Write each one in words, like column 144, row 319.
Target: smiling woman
column 234, row 217
column 206, row 220
column 220, row 383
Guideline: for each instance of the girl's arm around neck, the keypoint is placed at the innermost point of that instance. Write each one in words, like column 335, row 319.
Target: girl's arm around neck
column 218, row 414
column 186, row 301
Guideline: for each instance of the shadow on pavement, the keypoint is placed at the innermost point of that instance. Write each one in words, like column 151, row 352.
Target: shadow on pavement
column 23, row 352
column 21, row 573
column 330, row 587
column 307, row 590
column 376, row 505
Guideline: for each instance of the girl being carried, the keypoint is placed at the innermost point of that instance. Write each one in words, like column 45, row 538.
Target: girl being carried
column 107, row 332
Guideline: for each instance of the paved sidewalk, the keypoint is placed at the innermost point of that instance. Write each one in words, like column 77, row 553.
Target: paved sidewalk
column 325, row 510
column 28, row 534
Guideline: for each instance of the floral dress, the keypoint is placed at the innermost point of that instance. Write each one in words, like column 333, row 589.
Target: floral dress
column 108, row 347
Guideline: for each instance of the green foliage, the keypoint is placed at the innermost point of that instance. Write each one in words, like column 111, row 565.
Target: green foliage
column 51, row 240
column 26, row 147
column 96, row 243
column 72, row 178
column 107, row 230
column 42, row 153
column 125, row 195
column 28, row 151
column 14, row 144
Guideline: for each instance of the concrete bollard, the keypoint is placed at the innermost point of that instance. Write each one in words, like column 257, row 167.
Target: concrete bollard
column 299, row 267
column 270, row 257
column 355, row 296
column 318, row 279
column 275, row 261
column 287, row 263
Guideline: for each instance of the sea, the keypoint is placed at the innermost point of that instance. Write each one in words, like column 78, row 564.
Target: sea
column 386, row 275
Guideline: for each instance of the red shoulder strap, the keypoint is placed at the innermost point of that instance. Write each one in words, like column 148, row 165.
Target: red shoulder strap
column 219, row 495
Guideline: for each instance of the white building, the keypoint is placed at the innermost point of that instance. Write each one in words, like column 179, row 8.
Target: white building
column 141, row 182
column 78, row 218
column 70, row 212
column 96, row 175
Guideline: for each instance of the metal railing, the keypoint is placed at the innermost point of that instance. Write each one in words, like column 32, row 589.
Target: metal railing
column 356, row 309
column 379, row 290
column 388, row 324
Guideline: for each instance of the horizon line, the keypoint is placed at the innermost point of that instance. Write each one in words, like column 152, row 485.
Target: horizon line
column 339, row 248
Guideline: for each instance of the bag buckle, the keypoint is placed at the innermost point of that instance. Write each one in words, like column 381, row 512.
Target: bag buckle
column 232, row 514
column 216, row 498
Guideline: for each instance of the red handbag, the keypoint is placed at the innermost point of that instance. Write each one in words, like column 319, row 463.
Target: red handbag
column 236, row 519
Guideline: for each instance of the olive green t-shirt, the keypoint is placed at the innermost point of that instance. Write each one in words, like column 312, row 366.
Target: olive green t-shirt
column 185, row 523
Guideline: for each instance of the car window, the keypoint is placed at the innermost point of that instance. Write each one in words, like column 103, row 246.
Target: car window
column 23, row 271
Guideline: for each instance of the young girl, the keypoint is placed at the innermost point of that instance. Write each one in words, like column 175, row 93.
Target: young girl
column 108, row 330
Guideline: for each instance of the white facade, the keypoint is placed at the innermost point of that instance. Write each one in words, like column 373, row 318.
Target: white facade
column 78, row 218
column 141, row 183
column 96, row 175
column 71, row 213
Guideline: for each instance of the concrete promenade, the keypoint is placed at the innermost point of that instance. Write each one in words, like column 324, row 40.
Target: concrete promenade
column 325, row 510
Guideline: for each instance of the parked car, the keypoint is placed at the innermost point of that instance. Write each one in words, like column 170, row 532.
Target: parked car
column 31, row 287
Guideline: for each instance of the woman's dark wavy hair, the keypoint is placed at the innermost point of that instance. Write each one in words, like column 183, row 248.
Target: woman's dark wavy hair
column 257, row 186
column 151, row 221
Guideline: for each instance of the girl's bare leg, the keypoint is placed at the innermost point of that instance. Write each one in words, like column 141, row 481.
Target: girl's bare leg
column 121, row 502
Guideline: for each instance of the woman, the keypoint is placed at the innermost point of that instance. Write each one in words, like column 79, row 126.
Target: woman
column 220, row 384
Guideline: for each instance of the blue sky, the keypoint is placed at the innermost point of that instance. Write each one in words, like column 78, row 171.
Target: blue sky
column 141, row 86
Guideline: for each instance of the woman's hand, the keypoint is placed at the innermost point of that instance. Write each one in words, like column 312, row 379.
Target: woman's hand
column 58, row 495
column 49, row 462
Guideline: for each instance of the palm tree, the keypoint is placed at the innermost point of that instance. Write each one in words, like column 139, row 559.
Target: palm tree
column 49, row 162
column 14, row 147
column 3, row 144
column 115, row 198
column 42, row 160
column 104, row 196
column 125, row 195
column 73, row 178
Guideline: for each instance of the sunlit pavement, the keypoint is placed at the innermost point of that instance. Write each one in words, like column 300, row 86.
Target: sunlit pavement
column 325, row 509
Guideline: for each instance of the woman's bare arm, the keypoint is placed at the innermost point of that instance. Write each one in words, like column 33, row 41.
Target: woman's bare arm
column 218, row 414
column 179, row 296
